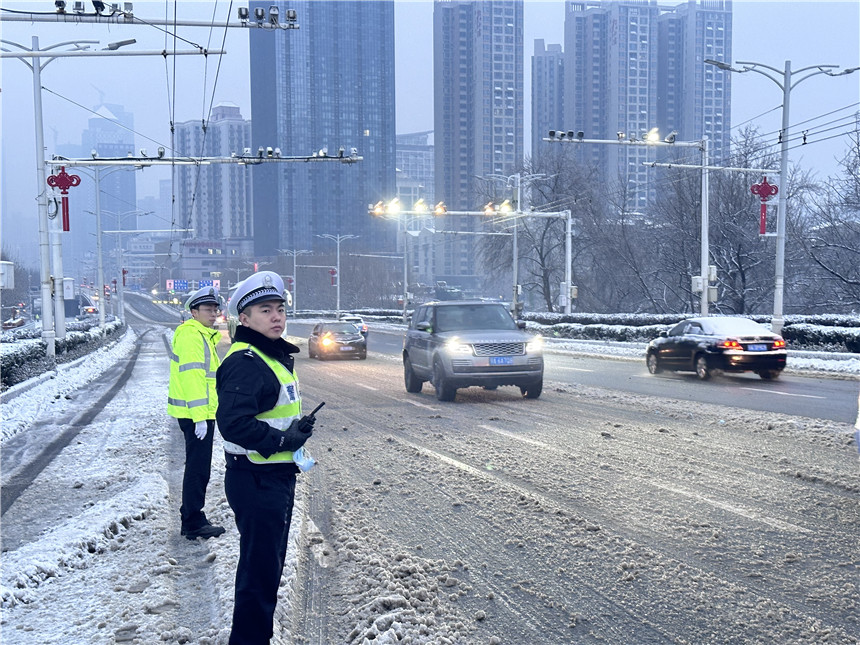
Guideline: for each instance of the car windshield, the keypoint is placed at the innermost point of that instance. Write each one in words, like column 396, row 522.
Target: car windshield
column 339, row 328
column 464, row 317
column 734, row 327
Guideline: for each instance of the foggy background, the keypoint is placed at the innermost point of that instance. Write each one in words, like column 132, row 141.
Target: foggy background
column 184, row 88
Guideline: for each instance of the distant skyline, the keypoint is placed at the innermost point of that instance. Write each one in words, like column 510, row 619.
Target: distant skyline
column 768, row 32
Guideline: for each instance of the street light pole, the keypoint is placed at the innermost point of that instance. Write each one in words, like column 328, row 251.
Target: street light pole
column 53, row 322
column 294, row 253
column 338, row 239
column 786, row 85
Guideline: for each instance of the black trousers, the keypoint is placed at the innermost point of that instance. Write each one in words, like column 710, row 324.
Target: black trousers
column 263, row 505
column 198, row 464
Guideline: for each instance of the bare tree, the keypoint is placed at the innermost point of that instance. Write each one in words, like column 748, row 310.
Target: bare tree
column 831, row 237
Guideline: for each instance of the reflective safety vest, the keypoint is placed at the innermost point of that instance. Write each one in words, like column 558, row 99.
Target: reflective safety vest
column 193, row 362
column 287, row 408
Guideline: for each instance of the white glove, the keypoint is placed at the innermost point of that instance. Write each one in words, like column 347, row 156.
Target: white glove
column 200, row 429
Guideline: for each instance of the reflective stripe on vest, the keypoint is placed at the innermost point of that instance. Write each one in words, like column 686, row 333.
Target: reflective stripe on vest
column 287, row 408
column 205, row 365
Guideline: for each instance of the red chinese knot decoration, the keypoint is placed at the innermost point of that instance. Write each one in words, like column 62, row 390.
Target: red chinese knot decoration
column 764, row 191
column 64, row 181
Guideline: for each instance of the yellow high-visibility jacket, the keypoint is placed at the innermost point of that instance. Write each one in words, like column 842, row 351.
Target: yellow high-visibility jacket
column 191, row 393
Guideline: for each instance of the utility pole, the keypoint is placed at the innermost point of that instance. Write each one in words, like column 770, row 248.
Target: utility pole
column 783, row 80
column 338, row 239
column 295, row 253
column 651, row 139
column 53, row 322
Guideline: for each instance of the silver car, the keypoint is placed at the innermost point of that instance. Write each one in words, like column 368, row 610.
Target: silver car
column 457, row 344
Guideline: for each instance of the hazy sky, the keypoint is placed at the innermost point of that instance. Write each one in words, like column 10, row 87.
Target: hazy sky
column 807, row 33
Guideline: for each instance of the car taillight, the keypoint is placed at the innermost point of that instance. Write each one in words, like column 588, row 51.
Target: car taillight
column 779, row 343
column 730, row 344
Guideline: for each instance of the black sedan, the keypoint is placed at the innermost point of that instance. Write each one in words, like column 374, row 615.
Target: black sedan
column 721, row 343
column 331, row 339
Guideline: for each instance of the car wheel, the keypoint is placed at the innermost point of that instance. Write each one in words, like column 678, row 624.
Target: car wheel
column 532, row 390
column 653, row 364
column 702, row 370
column 444, row 390
column 769, row 375
column 362, row 356
column 411, row 380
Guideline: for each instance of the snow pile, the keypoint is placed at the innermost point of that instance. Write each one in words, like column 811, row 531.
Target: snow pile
column 71, row 544
column 24, row 402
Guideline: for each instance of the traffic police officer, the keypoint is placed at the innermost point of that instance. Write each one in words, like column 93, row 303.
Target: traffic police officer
column 260, row 419
column 192, row 400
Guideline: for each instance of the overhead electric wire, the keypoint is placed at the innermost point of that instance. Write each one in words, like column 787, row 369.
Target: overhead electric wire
column 208, row 112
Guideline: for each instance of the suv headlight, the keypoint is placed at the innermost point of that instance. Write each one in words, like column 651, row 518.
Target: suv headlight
column 456, row 346
column 535, row 345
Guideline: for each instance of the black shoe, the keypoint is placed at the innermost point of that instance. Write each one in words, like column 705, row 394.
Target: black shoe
column 206, row 531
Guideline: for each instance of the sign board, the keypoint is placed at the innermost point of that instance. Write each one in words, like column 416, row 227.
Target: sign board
column 7, row 275
column 180, row 285
column 168, row 285
column 68, row 288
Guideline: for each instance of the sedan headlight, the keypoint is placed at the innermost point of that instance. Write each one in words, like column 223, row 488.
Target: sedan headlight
column 326, row 341
column 456, row 346
column 535, row 345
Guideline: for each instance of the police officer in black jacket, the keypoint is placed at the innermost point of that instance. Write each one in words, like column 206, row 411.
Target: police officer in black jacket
column 260, row 418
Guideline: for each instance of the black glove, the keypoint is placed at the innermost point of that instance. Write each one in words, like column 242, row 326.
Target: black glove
column 292, row 438
column 306, row 423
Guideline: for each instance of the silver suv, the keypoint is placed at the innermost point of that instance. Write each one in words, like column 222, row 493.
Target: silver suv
column 464, row 343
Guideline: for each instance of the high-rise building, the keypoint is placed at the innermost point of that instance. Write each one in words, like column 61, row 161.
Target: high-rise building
column 214, row 200
column 694, row 98
column 327, row 85
column 478, row 110
column 635, row 65
column 415, row 181
column 547, row 93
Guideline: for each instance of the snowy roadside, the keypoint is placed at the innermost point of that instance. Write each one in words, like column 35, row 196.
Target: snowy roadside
column 24, row 402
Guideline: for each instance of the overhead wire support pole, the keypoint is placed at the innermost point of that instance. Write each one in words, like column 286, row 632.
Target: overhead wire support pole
column 562, row 136
column 53, row 323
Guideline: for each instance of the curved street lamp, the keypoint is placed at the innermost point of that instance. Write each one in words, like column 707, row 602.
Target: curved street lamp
column 783, row 79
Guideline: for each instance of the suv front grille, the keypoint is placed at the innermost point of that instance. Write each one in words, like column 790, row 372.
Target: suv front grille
column 499, row 349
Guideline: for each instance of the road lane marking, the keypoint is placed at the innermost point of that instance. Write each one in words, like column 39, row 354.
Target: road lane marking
column 420, row 405
column 539, row 444
column 770, row 521
column 761, row 389
column 572, row 369
column 369, row 387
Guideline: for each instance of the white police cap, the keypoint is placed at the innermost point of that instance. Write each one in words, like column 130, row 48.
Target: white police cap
column 204, row 296
column 262, row 286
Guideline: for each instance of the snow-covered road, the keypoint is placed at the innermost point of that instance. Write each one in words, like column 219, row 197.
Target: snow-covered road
column 586, row 516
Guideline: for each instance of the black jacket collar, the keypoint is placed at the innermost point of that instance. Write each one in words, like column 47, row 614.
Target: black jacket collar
column 278, row 349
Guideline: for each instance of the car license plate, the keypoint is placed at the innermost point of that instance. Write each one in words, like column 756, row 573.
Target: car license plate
column 757, row 347
column 346, row 348
column 501, row 360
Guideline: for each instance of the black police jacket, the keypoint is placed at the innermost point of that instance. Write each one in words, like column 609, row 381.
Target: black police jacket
column 246, row 387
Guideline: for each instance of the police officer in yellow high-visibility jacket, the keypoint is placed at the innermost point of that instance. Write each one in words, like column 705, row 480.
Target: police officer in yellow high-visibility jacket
column 260, row 419
column 192, row 400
